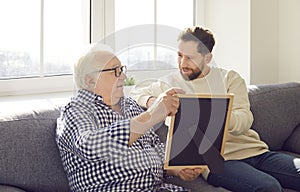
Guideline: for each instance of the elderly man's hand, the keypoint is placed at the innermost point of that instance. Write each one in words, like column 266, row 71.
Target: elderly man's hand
column 166, row 104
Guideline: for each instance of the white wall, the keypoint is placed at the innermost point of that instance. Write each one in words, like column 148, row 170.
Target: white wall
column 289, row 40
column 229, row 20
column 275, row 41
column 264, row 41
column 258, row 38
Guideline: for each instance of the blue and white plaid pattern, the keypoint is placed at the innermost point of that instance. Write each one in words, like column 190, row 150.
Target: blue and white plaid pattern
column 93, row 143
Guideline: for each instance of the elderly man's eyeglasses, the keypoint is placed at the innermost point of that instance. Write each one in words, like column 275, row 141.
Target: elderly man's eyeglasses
column 118, row 70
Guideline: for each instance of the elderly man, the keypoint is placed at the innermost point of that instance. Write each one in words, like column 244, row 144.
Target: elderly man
column 106, row 141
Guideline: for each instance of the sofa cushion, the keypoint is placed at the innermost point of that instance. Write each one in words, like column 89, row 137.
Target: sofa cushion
column 276, row 111
column 6, row 188
column 292, row 144
column 197, row 185
column 29, row 155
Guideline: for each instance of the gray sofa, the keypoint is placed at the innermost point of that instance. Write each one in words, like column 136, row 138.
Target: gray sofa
column 30, row 161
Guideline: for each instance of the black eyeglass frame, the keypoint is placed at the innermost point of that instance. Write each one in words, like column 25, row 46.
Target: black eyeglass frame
column 123, row 69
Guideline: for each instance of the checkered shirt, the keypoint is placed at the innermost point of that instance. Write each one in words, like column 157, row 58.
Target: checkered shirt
column 93, row 143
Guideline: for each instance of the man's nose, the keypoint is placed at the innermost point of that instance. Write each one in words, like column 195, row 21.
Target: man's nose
column 184, row 61
column 123, row 76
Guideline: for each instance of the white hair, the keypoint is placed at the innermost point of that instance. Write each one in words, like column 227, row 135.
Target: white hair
column 86, row 64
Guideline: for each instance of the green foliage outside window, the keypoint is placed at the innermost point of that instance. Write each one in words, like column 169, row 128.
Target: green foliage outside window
column 129, row 81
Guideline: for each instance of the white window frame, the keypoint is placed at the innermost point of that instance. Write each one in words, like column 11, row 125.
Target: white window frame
column 102, row 24
column 104, row 15
column 41, row 84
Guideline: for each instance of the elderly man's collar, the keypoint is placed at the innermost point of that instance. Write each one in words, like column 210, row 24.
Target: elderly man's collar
column 86, row 95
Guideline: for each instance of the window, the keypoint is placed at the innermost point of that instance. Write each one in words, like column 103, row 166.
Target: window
column 66, row 33
column 20, row 38
column 40, row 40
column 156, row 25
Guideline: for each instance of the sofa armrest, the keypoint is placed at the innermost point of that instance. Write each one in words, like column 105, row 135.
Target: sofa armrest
column 292, row 143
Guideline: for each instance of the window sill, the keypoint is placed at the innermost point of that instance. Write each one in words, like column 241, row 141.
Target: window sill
column 32, row 86
column 13, row 103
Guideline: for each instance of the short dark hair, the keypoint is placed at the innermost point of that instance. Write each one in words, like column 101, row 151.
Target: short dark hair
column 203, row 36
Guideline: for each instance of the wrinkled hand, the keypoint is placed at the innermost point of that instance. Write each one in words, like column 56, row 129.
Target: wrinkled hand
column 166, row 104
column 187, row 174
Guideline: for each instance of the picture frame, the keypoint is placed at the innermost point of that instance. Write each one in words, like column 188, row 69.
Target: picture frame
column 197, row 132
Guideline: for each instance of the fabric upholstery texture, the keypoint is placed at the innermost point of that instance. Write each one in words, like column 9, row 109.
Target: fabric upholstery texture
column 293, row 142
column 5, row 188
column 276, row 111
column 198, row 185
column 29, row 155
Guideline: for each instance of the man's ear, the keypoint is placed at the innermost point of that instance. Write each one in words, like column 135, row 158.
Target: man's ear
column 90, row 81
column 208, row 57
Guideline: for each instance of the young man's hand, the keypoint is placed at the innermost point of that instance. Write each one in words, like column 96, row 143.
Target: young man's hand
column 186, row 174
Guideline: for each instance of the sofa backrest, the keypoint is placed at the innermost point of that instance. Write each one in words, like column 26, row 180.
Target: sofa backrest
column 29, row 158
column 276, row 111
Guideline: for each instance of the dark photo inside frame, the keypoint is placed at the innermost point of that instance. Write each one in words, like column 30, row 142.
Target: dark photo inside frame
column 197, row 132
